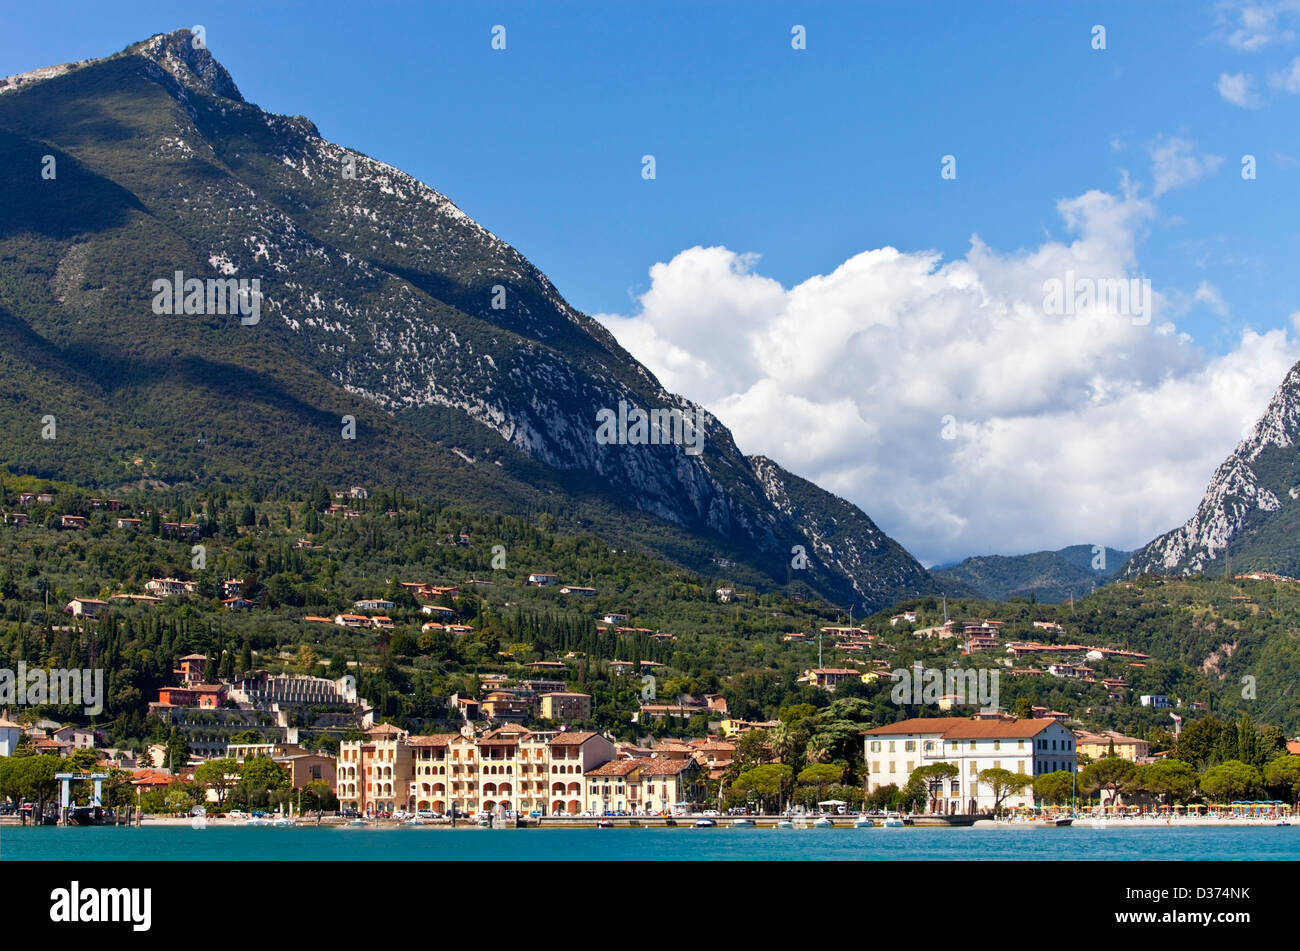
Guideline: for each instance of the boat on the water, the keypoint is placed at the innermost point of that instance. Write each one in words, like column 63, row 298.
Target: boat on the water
column 604, row 824
column 89, row 816
column 953, row 820
column 705, row 824
column 742, row 823
column 823, row 823
column 893, row 822
column 783, row 824
column 862, row 822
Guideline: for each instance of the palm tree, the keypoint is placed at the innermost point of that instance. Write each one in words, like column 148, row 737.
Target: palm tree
column 818, row 751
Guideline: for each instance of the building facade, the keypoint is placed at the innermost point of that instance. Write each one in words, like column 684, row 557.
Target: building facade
column 566, row 707
column 508, row 770
column 1029, row 747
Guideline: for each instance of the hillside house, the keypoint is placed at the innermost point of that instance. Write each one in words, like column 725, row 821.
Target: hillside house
column 85, row 607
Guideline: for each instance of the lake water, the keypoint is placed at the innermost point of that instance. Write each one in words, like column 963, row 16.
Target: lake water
column 682, row 844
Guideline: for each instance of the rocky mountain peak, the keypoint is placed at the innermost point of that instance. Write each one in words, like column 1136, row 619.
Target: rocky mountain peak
column 185, row 55
column 1249, row 506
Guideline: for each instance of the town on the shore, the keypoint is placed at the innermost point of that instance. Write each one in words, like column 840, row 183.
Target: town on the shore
column 520, row 745
column 495, row 768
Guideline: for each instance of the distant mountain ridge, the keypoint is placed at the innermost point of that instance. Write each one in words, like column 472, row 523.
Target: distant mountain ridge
column 1048, row 576
column 464, row 371
column 1250, row 514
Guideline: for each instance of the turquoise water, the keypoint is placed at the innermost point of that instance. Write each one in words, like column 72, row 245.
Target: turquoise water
column 683, row 844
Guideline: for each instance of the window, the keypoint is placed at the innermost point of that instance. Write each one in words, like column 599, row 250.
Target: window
column 891, row 766
column 910, row 746
column 911, row 765
column 1020, row 744
column 997, row 744
column 1020, row 767
column 974, row 769
column 891, row 746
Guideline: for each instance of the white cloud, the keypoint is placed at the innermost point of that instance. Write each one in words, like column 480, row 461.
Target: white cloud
column 1077, row 428
column 1239, row 89
column 1209, row 295
column 1251, row 25
column 1287, row 80
column 1174, row 163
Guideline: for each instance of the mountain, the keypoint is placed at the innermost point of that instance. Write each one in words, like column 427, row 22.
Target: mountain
column 464, row 372
column 1049, row 576
column 1250, row 514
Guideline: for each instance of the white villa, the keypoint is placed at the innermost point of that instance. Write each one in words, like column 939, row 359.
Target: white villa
column 1030, row 747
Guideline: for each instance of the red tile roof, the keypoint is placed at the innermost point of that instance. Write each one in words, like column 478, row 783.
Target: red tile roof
column 665, row 767
column 916, row 725
column 435, row 740
column 572, row 738
column 963, row 728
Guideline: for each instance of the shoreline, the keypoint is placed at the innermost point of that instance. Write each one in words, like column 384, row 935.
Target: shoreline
column 663, row 822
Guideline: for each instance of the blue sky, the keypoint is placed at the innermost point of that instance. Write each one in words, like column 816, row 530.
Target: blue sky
column 802, row 157
column 809, row 158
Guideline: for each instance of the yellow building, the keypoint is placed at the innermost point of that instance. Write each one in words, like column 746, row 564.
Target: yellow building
column 509, row 770
column 373, row 775
column 1110, row 743
column 566, row 707
column 646, row 785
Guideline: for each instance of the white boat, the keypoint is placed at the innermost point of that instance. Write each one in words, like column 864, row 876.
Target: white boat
column 742, row 823
column 893, row 823
column 257, row 822
column 283, row 822
column 823, row 823
column 783, row 824
column 358, row 823
column 704, row 823
column 414, row 822
column 862, row 822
